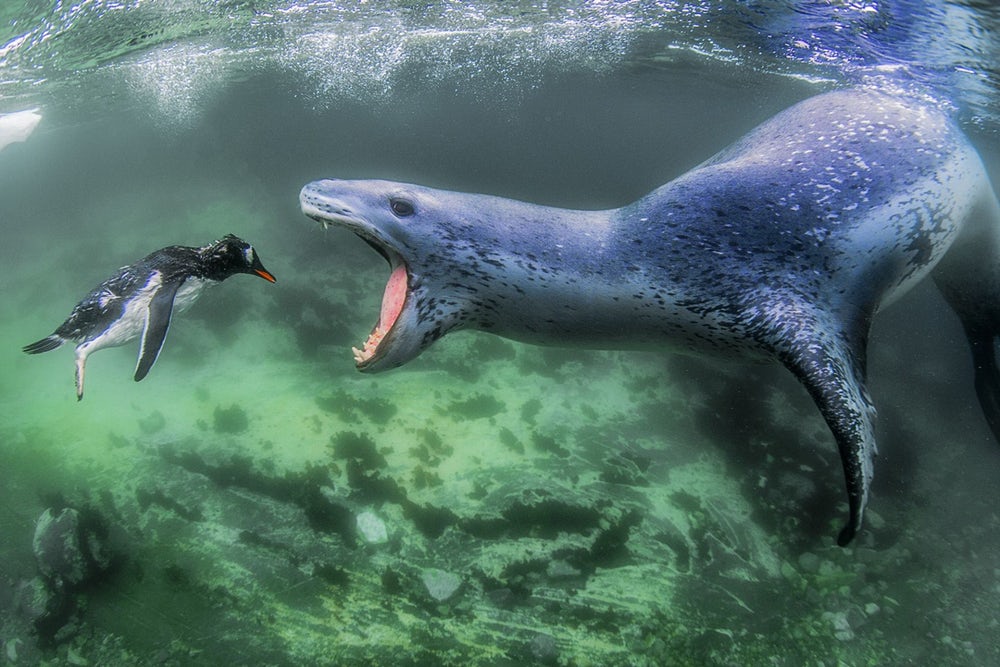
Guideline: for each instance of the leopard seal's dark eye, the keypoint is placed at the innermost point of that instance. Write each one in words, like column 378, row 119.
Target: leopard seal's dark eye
column 401, row 207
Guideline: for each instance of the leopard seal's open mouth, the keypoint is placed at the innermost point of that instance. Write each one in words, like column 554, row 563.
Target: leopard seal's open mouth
column 460, row 260
column 328, row 211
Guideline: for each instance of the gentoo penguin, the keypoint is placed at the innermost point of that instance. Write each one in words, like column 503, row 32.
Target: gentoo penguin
column 140, row 298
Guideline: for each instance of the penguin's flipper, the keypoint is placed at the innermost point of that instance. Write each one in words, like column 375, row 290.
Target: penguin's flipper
column 155, row 330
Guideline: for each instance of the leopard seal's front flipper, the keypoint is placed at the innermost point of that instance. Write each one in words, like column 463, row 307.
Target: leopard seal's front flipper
column 783, row 246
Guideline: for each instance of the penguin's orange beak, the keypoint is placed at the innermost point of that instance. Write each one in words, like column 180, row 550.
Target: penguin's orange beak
column 263, row 273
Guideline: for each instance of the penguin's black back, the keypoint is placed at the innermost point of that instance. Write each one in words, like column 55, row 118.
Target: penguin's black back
column 106, row 302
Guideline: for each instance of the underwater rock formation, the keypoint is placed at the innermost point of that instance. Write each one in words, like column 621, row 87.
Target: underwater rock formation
column 73, row 553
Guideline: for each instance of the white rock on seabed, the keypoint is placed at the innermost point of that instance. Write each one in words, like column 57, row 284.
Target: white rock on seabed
column 841, row 625
column 12, row 649
column 440, row 584
column 372, row 528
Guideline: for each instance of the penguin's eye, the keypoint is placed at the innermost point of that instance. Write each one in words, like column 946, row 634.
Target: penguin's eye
column 401, row 207
column 248, row 254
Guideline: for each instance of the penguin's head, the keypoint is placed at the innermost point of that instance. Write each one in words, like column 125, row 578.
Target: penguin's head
column 231, row 255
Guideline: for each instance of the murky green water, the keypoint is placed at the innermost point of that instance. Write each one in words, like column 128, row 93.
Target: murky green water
column 539, row 506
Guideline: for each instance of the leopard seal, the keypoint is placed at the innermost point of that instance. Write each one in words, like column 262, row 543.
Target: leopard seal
column 783, row 246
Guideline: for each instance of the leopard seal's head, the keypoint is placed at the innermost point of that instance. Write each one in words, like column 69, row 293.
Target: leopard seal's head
column 389, row 217
column 456, row 259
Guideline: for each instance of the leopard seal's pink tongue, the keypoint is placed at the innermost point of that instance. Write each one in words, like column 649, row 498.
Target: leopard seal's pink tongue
column 393, row 298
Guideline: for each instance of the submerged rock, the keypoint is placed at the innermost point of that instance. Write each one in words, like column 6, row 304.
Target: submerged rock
column 10, row 649
column 809, row 562
column 58, row 548
column 560, row 569
column 70, row 549
column 372, row 528
column 36, row 603
column 153, row 422
column 543, row 649
column 841, row 625
column 440, row 584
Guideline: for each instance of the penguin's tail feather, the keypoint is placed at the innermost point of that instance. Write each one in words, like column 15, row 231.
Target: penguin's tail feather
column 46, row 344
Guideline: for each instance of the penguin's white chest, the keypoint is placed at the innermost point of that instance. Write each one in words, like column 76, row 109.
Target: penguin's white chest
column 189, row 292
column 133, row 318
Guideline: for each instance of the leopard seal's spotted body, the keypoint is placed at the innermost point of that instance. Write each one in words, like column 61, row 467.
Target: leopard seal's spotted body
column 782, row 246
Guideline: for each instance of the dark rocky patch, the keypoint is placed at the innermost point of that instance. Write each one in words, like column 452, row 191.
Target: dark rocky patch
column 147, row 498
column 510, row 441
column 348, row 407
column 479, row 406
column 549, row 443
column 303, row 489
column 232, row 420
column 153, row 422
column 530, row 410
